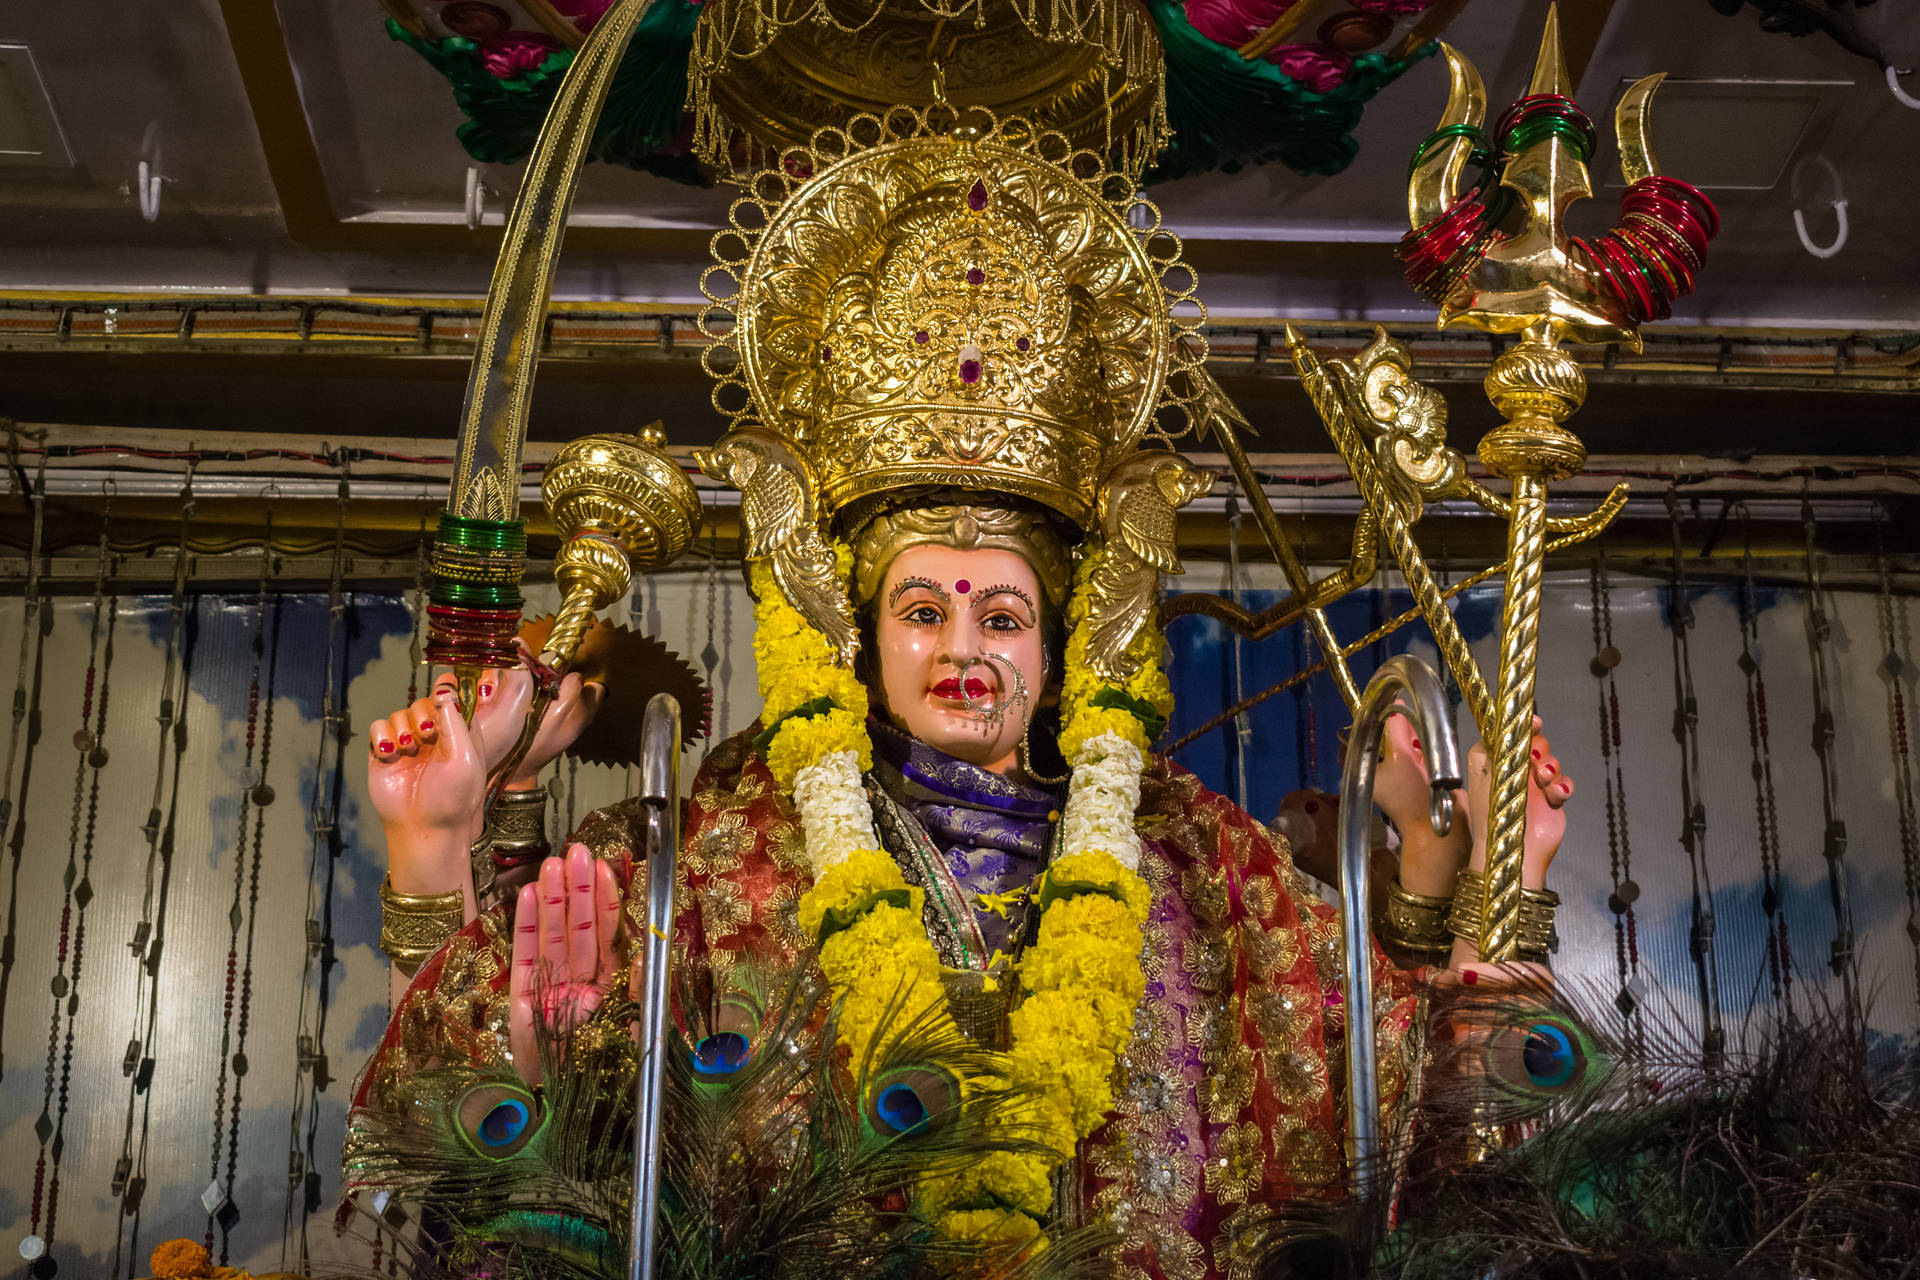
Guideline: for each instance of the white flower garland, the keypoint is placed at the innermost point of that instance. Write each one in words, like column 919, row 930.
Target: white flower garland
column 1102, row 798
column 834, row 813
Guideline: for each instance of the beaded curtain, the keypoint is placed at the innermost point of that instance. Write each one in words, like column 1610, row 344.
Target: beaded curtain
column 148, row 1067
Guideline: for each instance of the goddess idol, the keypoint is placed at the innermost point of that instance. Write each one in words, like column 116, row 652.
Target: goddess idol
column 958, row 350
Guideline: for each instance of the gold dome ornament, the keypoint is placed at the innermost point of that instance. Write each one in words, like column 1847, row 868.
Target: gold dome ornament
column 774, row 71
column 620, row 504
column 981, row 308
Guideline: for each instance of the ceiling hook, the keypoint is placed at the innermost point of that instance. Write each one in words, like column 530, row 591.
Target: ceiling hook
column 146, row 185
column 1803, row 190
column 146, row 178
column 1900, row 95
column 1839, row 236
column 476, row 198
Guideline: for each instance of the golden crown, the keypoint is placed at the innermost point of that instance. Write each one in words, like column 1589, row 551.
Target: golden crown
column 980, row 306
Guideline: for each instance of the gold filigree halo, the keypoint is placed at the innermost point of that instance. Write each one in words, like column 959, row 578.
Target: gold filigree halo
column 967, row 303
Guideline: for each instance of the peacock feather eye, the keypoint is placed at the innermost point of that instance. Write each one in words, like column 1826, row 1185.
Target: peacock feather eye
column 723, row 1041
column 1539, row 1059
column 1548, row 1055
column 498, row 1120
column 901, row 1110
column 912, row 1101
column 721, row 1054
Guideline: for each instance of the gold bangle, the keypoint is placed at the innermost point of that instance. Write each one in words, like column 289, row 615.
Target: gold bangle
column 415, row 925
column 517, row 827
column 481, row 857
column 1416, row 922
column 1535, row 933
column 1464, row 919
column 1536, row 924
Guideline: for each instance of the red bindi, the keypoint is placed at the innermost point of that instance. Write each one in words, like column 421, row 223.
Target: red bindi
column 963, row 586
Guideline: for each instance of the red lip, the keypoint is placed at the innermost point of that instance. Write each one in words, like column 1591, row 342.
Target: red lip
column 950, row 688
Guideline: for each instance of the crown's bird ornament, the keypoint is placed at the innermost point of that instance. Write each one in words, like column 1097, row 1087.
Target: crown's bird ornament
column 1506, row 269
column 1137, row 519
column 777, row 520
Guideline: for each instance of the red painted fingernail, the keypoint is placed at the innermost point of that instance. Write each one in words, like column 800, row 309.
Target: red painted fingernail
column 1469, row 977
column 426, row 726
column 384, row 745
column 1536, row 753
column 1551, row 768
column 486, row 691
column 406, row 739
column 1416, row 744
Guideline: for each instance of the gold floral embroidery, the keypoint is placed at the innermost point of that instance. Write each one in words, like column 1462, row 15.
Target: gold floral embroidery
column 1239, row 842
column 1272, row 952
column 723, row 909
column 780, row 917
column 1204, row 956
column 1153, row 954
column 1277, row 1011
column 1229, row 1086
column 1242, row 1242
column 1260, row 895
column 1236, row 1161
column 1205, row 894
column 787, row 846
column 1298, row 1074
column 722, row 841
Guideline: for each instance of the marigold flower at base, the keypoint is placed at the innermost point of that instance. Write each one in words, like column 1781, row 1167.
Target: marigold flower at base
column 993, row 1226
column 181, row 1260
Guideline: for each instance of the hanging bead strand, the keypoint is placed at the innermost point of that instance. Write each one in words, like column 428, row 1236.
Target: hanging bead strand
column 1841, row 958
column 25, row 724
column 149, row 941
column 311, row 1076
column 1760, row 747
column 1693, row 808
column 77, row 888
column 1897, row 666
column 1625, row 891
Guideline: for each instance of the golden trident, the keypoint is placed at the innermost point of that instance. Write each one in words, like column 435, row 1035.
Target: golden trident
column 1517, row 272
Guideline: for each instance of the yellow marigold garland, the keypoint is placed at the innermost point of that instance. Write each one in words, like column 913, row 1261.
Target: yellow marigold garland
column 1082, row 976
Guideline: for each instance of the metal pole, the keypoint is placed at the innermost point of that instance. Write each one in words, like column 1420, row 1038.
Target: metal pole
column 660, row 792
column 1406, row 685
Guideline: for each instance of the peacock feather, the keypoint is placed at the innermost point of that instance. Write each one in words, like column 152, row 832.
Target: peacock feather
column 1644, row 1158
column 782, row 1160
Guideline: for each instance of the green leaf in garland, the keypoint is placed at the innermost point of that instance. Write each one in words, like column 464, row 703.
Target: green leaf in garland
column 1119, row 699
column 805, row 711
column 838, row 918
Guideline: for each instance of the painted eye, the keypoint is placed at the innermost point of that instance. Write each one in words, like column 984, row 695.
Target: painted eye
column 499, row 1119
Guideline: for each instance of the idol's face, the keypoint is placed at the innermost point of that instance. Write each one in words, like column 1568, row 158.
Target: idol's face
column 958, row 639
